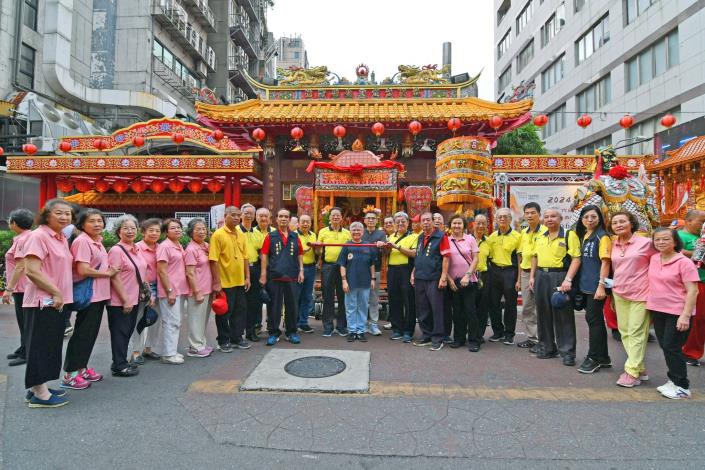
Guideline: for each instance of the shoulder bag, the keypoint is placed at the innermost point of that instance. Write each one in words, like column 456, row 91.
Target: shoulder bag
column 145, row 293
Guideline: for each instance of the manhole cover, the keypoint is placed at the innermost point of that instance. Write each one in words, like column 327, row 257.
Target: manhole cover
column 315, row 367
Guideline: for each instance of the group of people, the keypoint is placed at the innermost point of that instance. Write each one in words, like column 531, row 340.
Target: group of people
column 449, row 282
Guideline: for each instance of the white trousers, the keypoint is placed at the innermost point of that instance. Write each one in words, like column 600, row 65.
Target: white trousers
column 198, row 315
column 170, row 316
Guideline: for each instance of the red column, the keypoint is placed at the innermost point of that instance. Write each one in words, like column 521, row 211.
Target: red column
column 228, row 191
column 42, row 191
column 236, row 189
column 51, row 186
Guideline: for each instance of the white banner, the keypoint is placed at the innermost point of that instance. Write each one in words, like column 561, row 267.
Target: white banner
column 558, row 196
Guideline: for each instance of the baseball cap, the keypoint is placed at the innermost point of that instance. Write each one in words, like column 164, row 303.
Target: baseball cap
column 560, row 299
column 149, row 318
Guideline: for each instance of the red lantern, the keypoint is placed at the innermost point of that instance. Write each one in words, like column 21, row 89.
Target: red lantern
column 65, row 186
column 138, row 141
column 138, row 186
column 83, row 186
column 195, row 186
column 100, row 144
column 540, row 120
column 178, row 138
column 29, row 149
column 496, row 122
column 378, row 129
column 176, row 186
column 259, row 135
column 339, row 131
column 65, row 147
column 214, row 186
column 498, row 202
column 157, row 186
column 584, row 121
column 668, row 120
column 626, row 122
column 400, row 195
column 2, row 151
column 454, row 124
column 120, row 186
column 218, row 135
column 101, row 186
column 297, row 133
column 415, row 127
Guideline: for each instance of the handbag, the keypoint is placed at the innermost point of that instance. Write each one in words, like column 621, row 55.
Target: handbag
column 83, row 293
column 145, row 292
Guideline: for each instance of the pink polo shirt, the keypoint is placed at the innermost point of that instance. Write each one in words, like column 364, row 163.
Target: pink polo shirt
column 150, row 256
column 195, row 255
column 127, row 275
column 86, row 250
column 460, row 260
column 53, row 250
column 13, row 255
column 667, row 283
column 630, row 263
column 173, row 254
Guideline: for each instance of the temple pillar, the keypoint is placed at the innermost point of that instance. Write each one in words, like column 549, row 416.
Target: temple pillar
column 51, row 186
column 42, row 191
column 236, row 191
column 228, row 191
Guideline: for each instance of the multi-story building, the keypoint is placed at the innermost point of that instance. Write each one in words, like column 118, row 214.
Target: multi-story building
column 604, row 58
column 291, row 52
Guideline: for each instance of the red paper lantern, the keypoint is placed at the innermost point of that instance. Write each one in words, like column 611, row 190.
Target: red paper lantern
column 214, row 186
column 101, row 186
column 218, row 135
column 339, row 131
column 100, row 144
column 65, row 147
column 138, row 141
column 120, row 186
column 540, row 120
column 2, row 151
column 176, row 186
column 195, row 186
column 65, row 186
column 584, row 121
column 626, row 122
column 178, row 138
column 668, row 120
column 297, row 133
column 400, row 195
column 157, row 186
column 83, row 186
column 454, row 124
column 498, row 202
column 29, row 149
column 496, row 122
column 259, row 134
column 138, row 186
column 378, row 129
column 415, row 127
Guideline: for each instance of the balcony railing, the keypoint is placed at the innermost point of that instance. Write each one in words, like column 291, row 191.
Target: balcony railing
column 200, row 10
column 243, row 36
column 173, row 18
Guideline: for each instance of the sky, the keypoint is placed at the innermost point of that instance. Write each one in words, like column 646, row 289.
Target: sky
column 387, row 33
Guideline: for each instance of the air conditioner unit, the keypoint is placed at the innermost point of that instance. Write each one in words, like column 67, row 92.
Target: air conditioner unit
column 201, row 69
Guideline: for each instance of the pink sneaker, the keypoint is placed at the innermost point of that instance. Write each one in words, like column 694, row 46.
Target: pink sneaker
column 209, row 349
column 198, row 353
column 90, row 375
column 626, row 380
column 74, row 383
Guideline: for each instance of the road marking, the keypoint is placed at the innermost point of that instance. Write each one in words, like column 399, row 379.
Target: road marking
column 455, row 392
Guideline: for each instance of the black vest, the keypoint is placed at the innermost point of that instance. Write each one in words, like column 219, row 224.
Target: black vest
column 590, row 262
column 283, row 260
column 428, row 264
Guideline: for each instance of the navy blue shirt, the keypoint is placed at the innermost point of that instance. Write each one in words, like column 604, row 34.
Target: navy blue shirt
column 375, row 236
column 357, row 262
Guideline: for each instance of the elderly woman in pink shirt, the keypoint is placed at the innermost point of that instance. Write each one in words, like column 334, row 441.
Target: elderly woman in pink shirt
column 172, row 290
column 200, row 280
column 47, row 264
column 630, row 256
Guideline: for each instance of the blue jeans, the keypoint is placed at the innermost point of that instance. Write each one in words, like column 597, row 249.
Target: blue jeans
column 306, row 294
column 356, row 306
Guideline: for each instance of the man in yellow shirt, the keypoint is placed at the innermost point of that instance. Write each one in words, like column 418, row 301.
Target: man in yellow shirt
column 504, row 274
column 307, row 237
column 331, row 282
column 555, row 262
column 532, row 215
column 254, row 244
column 231, row 273
column 482, row 298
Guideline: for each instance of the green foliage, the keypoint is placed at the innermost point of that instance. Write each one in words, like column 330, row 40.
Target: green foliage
column 109, row 240
column 6, row 237
column 522, row 141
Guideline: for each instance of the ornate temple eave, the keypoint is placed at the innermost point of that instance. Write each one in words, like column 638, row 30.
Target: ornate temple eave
column 690, row 152
column 549, row 164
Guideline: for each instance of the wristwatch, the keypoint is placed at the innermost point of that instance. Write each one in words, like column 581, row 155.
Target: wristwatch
column 170, row 290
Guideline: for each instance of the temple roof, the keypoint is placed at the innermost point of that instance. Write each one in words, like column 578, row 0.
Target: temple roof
column 691, row 151
column 133, row 200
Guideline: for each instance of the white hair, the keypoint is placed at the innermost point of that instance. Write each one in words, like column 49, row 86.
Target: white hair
column 355, row 225
column 120, row 221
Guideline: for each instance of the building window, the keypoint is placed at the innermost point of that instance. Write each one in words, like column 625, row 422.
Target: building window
column 297, row 55
column 504, row 44
column 504, row 79
column 554, row 24
column 503, row 10
column 525, row 56
column 590, row 148
column 595, row 38
column 634, row 8
column 26, row 75
column 595, row 96
column 29, row 14
column 647, row 128
column 524, row 16
column 578, row 5
column 556, row 122
column 653, row 61
column 553, row 74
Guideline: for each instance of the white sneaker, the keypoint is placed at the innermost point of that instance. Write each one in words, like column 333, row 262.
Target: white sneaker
column 667, row 386
column 179, row 355
column 676, row 393
column 374, row 330
column 387, row 326
column 172, row 360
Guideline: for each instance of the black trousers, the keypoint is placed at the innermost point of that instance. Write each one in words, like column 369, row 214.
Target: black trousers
column 284, row 295
column 447, row 312
column 18, row 298
column 231, row 325
column 85, row 332
column 671, row 341
column 482, row 302
column 121, row 326
column 556, row 325
column 429, row 309
column 254, row 300
column 466, row 327
column 401, row 299
column 332, row 287
column 597, row 332
column 503, row 283
column 44, row 333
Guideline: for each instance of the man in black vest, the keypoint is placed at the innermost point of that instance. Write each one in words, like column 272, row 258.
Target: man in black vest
column 283, row 264
column 429, row 280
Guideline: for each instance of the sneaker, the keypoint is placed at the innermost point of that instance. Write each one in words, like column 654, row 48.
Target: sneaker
column 306, row 329
column 54, row 401
column 126, row 372
column 496, row 338
column 546, row 355
column 151, row 355
column 422, row 342
column 627, row 381
column 528, row 344
column 74, row 383
column 327, row 333
column 54, row 391
column 667, row 386
column 534, row 349
column 606, row 364
column 437, row 346
column 474, row 347
column 18, row 361
column 406, row 339
column 508, row 340
column 374, row 330
column 191, row 352
column 676, row 393
column 209, row 349
column 387, row 326
column 137, row 360
column 294, row 339
column 456, row 344
column 362, row 338
column 179, row 355
column 67, row 331
column 90, row 375
column 243, row 344
column 272, row 340
column 589, row 366
column 447, row 339
column 172, row 360
column 644, row 377
column 341, row 332
column 225, row 348
column 693, row 362
column 568, row 361
column 396, row 335
column 351, row 337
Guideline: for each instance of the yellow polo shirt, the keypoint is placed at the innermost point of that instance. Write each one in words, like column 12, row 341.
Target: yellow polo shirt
column 503, row 246
column 328, row 235
column 483, row 255
column 254, row 242
column 229, row 248
column 528, row 238
column 309, row 252
column 550, row 253
column 410, row 241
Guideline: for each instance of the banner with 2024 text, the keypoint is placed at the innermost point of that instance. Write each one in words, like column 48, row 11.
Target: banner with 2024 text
column 558, row 196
